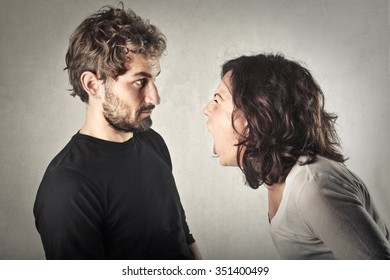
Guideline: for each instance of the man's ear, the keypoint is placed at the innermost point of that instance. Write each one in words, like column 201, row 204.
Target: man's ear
column 91, row 84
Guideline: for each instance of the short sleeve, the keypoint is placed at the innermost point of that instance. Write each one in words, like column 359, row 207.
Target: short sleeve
column 68, row 215
column 338, row 217
column 189, row 238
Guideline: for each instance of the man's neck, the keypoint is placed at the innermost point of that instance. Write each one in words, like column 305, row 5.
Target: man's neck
column 110, row 134
column 98, row 127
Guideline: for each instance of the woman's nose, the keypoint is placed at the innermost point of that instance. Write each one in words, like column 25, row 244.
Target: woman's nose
column 206, row 109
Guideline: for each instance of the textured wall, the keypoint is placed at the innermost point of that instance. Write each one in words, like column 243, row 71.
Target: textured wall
column 344, row 43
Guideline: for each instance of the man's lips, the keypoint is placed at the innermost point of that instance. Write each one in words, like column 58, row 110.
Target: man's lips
column 147, row 110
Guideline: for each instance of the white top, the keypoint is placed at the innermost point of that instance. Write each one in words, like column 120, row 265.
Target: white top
column 326, row 213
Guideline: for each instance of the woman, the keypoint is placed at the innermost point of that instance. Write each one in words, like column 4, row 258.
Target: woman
column 267, row 117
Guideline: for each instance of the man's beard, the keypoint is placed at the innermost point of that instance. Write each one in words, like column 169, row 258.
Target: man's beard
column 119, row 115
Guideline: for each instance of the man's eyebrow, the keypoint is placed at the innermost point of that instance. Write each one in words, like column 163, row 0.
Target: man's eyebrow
column 145, row 74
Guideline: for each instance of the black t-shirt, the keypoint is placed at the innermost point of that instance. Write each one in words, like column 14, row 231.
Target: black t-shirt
column 107, row 200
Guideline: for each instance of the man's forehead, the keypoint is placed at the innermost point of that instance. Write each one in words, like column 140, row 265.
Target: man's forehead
column 137, row 63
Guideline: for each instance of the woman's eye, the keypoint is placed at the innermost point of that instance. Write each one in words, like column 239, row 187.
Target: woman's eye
column 215, row 100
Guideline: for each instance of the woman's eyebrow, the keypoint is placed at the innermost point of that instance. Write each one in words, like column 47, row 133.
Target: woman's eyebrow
column 217, row 94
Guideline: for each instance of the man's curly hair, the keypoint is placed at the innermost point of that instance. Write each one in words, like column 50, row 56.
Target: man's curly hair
column 284, row 108
column 100, row 44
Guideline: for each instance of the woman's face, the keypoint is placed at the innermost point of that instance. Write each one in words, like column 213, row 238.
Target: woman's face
column 219, row 112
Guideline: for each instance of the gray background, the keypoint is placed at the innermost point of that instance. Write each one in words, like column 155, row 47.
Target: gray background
column 344, row 43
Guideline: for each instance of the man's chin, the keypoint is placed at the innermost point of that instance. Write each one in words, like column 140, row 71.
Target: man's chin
column 144, row 125
column 139, row 126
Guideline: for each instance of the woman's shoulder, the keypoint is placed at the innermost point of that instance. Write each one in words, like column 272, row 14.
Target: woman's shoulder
column 325, row 181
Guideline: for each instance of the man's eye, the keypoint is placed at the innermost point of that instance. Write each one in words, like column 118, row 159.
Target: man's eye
column 215, row 100
column 140, row 82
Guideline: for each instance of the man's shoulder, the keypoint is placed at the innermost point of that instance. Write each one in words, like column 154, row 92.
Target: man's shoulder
column 151, row 135
column 63, row 153
column 153, row 139
column 74, row 158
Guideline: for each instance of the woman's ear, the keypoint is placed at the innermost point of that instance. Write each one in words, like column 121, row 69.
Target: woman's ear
column 91, row 84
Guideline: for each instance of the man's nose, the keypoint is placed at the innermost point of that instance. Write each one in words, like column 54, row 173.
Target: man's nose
column 151, row 95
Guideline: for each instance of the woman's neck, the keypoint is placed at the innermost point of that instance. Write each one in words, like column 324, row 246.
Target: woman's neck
column 275, row 195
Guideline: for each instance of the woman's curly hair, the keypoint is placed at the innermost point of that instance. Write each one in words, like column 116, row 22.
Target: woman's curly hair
column 284, row 109
column 100, row 45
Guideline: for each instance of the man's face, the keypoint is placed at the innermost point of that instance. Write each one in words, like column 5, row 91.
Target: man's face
column 130, row 100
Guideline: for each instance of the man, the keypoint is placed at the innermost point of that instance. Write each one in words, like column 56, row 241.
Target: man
column 110, row 193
